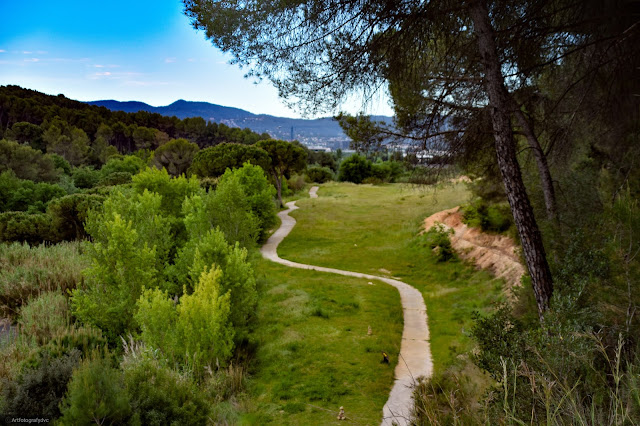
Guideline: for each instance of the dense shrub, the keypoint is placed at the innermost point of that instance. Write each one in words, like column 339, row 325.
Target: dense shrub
column 39, row 389
column 161, row 396
column 69, row 214
column 387, row 171
column 258, row 193
column 196, row 331
column 27, row 163
column 172, row 190
column 237, row 276
column 318, row 174
column 355, row 169
column 488, row 217
column 296, row 183
column 26, row 272
column 96, row 394
column 115, row 178
column 228, row 209
column 121, row 264
column 85, row 177
column 25, row 195
column 437, row 239
column 24, row 227
column 125, row 163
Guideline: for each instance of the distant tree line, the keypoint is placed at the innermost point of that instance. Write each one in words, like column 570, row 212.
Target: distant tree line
column 46, row 121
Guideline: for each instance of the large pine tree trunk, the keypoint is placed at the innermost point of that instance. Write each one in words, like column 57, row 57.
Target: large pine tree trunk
column 499, row 102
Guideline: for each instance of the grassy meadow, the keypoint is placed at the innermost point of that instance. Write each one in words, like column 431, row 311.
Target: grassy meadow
column 314, row 354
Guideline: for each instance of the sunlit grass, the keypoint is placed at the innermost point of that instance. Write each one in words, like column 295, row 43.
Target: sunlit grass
column 374, row 229
column 314, row 354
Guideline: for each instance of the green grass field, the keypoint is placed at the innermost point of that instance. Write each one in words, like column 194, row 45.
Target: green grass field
column 313, row 350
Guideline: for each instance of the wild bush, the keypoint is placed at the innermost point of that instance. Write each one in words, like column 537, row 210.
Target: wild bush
column 237, row 273
column 488, row 217
column 96, row 394
column 85, row 177
column 162, row 396
column 196, row 331
column 38, row 390
column 318, row 174
column 260, row 195
column 25, row 195
column 28, row 228
column 437, row 239
column 355, row 169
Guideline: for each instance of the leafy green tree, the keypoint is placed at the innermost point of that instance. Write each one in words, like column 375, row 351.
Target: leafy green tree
column 68, row 214
column 214, row 161
column 123, row 163
column 355, row 168
column 27, row 163
column 259, row 194
column 101, row 149
column 173, row 190
column 230, row 211
column 318, row 174
column 61, row 164
column 31, row 228
column 27, row 133
column 121, row 264
column 144, row 137
column 197, row 330
column 286, row 158
column 207, row 247
column 85, row 177
column 25, row 195
column 74, row 147
column 175, row 156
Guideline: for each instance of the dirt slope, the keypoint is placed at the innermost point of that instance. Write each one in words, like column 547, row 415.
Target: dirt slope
column 496, row 253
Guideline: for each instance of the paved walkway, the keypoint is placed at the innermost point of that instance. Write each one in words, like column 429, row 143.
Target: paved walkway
column 414, row 359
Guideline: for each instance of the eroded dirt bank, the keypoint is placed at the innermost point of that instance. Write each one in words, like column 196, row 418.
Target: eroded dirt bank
column 496, row 253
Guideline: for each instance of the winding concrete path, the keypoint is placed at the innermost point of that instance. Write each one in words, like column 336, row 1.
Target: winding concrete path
column 414, row 359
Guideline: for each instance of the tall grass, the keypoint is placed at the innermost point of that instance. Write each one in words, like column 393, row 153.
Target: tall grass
column 26, row 272
column 550, row 399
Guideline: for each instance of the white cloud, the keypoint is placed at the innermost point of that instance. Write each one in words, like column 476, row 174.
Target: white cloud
column 32, row 60
column 98, row 66
column 169, row 60
column 105, row 74
column 26, row 52
column 2, row 50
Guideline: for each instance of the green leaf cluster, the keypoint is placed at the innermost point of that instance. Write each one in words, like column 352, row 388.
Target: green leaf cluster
column 197, row 330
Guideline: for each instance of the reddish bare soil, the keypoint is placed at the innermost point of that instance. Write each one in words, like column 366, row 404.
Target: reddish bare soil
column 496, row 253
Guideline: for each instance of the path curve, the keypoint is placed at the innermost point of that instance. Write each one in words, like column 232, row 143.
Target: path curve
column 415, row 354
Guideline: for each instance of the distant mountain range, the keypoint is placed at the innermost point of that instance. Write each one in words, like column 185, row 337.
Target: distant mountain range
column 318, row 131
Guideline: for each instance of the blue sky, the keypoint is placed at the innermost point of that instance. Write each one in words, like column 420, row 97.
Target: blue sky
column 127, row 50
